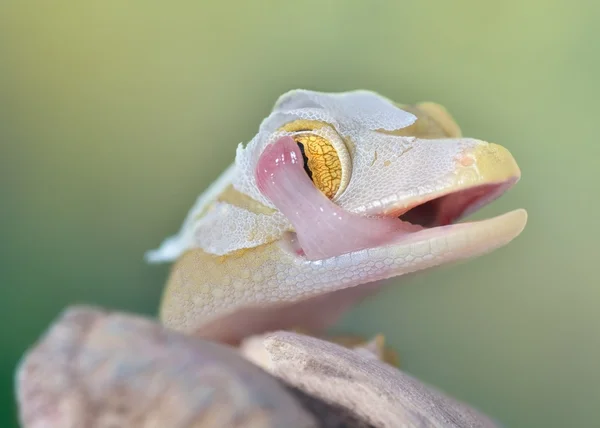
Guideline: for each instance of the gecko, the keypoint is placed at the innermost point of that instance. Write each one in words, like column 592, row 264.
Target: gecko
column 335, row 194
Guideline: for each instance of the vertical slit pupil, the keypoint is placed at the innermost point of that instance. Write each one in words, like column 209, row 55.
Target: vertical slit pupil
column 306, row 168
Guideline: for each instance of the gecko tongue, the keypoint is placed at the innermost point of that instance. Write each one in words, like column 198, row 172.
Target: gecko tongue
column 323, row 229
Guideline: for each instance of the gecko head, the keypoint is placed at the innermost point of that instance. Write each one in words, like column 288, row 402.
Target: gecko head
column 334, row 192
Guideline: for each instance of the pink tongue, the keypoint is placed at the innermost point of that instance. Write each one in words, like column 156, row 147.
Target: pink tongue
column 323, row 229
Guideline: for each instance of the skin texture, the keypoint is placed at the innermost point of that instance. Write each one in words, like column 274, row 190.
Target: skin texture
column 239, row 263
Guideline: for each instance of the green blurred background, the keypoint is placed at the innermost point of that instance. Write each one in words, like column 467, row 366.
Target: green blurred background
column 115, row 115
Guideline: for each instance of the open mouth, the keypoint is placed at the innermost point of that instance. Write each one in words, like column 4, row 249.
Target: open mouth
column 449, row 208
column 324, row 230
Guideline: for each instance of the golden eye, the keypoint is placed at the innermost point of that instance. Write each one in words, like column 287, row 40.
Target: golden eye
column 326, row 159
column 321, row 162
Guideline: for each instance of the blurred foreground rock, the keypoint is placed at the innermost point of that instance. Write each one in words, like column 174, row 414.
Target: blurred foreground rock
column 377, row 392
column 95, row 368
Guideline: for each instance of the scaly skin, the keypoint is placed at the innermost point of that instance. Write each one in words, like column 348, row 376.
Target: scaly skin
column 236, row 273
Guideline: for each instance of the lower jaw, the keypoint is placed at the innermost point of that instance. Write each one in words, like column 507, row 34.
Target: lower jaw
column 459, row 237
column 316, row 311
column 495, row 231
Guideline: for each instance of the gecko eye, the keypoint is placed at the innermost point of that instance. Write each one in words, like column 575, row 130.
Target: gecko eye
column 321, row 162
column 326, row 157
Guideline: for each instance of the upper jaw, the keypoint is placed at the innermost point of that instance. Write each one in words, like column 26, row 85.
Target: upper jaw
column 482, row 174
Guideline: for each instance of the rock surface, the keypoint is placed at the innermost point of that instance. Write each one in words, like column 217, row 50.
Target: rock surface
column 99, row 369
column 377, row 392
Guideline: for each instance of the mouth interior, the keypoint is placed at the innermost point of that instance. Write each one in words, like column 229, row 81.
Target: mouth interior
column 449, row 208
column 324, row 230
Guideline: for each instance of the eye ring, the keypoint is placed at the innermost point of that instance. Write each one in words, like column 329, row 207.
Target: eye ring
column 326, row 157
